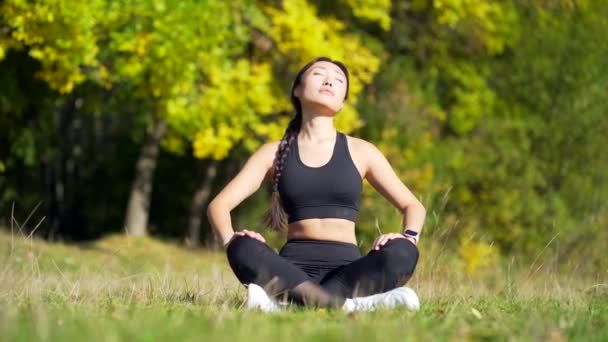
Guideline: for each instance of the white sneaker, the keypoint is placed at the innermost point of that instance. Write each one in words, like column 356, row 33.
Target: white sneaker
column 257, row 298
column 401, row 296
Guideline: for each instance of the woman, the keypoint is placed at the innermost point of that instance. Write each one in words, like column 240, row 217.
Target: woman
column 317, row 175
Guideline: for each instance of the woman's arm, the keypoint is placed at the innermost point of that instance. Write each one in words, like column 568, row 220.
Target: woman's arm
column 382, row 177
column 243, row 185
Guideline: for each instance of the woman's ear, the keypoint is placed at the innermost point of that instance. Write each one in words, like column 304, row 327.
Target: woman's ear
column 297, row 91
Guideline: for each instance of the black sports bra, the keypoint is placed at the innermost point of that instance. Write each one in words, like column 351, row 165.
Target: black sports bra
column 329, row 191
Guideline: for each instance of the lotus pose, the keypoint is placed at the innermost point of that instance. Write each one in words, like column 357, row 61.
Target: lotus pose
column 316, row 174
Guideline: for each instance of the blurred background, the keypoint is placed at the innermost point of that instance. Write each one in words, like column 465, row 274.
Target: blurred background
column 127, row 117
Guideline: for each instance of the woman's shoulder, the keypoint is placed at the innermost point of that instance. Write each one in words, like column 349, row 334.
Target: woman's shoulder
column 269, row 149
column 272, row 145
column 264, row 155
column 359, row 145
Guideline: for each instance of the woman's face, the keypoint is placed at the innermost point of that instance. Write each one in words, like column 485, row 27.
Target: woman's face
column 323, row 86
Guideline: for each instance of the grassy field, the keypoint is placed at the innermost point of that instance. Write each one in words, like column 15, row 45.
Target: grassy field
column 125, row 289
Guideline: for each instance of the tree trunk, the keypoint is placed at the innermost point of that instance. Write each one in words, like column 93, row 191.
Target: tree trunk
column 200, row 198
column 138, row 208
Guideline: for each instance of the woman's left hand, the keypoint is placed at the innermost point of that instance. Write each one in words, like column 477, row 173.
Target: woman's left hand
column 383, row 239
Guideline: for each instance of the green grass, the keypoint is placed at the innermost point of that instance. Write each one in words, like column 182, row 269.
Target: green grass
column 126, row 289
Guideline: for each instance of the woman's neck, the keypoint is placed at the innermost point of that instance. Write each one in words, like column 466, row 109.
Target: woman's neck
column 317, row 127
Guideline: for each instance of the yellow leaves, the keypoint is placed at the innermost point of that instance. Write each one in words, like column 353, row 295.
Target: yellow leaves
column 160, row 6
column 26, row 38
column 235, row 101
column 421, row 178
column 59, row 34
column 298, row 31
column 274, row 130
column 452, row 11
column 64, row 83
column 477, row 255
column 373, row 10
column 188, row 59
column 347, row 119
column 259, row 94
column 130, row 68
column 104, row 77
column 490, row 22
column 215, row 143
column 174, row 143
column 3, row 50
column 142, row 43
column 138, row 44
column 472, row 97
column 37, row 53
column 225, row 110
column 176, row 105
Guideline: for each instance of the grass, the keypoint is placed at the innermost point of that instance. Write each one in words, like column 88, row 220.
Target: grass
column 146, row 290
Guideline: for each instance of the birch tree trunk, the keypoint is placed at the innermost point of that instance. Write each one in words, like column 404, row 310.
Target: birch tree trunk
column 199, row 200
column 138, row 209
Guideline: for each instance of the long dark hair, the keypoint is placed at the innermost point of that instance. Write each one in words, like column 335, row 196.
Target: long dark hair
column 277, row 218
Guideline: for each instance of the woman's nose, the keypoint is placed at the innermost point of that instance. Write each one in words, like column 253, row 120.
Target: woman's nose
column 327, row 83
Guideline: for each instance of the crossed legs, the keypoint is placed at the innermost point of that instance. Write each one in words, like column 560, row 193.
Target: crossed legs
column 379, row 271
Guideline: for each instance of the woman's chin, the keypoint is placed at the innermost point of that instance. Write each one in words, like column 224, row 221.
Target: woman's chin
column 325, row 112
column 321, row 108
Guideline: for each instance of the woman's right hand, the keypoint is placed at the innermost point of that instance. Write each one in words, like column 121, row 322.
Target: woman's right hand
column 245, row 232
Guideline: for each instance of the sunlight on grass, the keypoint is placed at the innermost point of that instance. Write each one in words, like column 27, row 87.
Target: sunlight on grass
column 145, row 289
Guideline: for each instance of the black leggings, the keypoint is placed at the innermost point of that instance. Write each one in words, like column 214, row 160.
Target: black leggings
column 336, row 267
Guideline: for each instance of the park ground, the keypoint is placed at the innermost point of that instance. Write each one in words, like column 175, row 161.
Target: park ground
column 120, row 288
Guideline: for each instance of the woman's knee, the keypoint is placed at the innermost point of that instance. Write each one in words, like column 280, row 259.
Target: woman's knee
column 399, row 256
column 243, row 248
column 244, row 254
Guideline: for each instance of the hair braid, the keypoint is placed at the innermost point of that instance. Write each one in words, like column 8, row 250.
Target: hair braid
column 277, row 218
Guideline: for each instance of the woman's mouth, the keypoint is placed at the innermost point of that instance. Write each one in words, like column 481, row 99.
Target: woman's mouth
column 327, row 91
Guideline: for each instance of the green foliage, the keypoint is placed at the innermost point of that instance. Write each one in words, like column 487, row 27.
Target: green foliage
column 485, row 22
column 372, row 10
column 403, row 123
column 542, row 136
column 59, row 34
column 469, row 97
column 23, row 147
column 182, row 56
column 186, row 59
column 303, row 35
column 494, row 128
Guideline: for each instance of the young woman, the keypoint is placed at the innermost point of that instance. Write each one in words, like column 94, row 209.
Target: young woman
column 317, row 175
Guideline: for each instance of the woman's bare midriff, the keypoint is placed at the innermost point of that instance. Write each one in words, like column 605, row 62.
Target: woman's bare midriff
column 328, row 229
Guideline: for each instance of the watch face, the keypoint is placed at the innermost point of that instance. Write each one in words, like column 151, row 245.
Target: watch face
column 410, row 232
